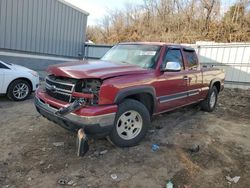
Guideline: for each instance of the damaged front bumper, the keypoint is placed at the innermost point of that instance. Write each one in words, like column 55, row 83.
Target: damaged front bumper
column 98, row 124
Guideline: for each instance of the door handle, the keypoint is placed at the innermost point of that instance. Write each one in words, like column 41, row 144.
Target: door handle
column 185, row 78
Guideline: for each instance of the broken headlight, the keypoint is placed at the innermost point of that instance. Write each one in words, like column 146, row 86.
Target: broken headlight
column 90, row 86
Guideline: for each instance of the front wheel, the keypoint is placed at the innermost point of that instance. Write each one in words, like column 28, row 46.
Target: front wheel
column 131, row 124
column 19, row 90
column 210, row 102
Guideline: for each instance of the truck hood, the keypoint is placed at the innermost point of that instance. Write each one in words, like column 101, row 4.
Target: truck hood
column 94, row 69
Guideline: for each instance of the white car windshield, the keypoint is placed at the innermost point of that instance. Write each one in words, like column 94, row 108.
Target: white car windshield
column 5, row 63
column 144, row 56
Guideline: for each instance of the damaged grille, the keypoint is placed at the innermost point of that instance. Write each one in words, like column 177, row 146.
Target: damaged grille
column 59, row 89
column 60, row 96
column 60, row 85
column 62, row 88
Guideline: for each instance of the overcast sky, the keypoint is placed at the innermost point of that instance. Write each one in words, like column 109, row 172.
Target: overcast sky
column 98, row 8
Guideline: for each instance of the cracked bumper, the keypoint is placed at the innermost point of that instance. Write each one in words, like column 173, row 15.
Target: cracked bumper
column 98, row 124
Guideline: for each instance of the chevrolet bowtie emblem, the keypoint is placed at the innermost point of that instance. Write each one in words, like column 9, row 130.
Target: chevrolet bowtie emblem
column 53, row 89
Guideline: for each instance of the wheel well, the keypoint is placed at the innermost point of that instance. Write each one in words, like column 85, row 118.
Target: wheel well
column 145, row 99
column 26, row 79
column 217, row 85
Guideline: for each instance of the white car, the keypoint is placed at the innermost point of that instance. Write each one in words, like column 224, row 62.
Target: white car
column 17, row 82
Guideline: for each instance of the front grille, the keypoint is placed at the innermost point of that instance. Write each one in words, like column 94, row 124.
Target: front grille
column 59, row 96
column 59, row 85
column 59, row 90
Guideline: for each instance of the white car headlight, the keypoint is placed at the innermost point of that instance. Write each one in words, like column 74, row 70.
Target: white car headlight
column 34, row 73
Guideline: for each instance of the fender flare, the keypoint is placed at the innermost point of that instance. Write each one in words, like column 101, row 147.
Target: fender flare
column 137, row 90
column 213, row 81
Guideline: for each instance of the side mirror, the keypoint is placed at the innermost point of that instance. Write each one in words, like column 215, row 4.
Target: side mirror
column 172, row 66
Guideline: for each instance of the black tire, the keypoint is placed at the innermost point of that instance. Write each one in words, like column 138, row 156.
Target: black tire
column 10, row 91
column 128, row 106
column 206, row 104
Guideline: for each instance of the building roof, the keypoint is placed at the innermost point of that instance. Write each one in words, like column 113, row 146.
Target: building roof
column 74, row 7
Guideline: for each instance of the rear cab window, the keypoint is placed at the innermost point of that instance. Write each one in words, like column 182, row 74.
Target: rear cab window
column 191, row 58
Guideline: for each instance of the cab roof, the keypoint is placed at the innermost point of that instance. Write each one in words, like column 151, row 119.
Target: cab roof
column 188, row 48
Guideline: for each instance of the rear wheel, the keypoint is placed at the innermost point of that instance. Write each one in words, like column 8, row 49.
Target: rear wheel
column 131, row 124
column 19, row 90
column 209, row 103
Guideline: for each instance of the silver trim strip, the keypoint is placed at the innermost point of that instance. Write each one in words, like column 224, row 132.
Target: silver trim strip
column 204, row 88
column 102, row 120
column 189, row 94
column 168, row 100
column 192, row 94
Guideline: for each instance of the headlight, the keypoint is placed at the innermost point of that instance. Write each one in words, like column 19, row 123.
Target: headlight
column 91, row 86
column 34, row 73
column 88, row 86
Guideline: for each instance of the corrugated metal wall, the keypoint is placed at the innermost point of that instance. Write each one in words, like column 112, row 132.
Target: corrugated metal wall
column 234, row 58
column 95, row 51
column 42, row 26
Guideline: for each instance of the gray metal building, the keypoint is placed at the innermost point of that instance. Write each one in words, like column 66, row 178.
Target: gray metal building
column 51, row 28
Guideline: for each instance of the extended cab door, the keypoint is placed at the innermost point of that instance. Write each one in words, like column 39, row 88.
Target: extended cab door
column 194, row 75
column 172, row 85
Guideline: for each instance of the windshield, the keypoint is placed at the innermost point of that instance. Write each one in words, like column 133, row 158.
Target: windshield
column 144, row 56
column 5, row 63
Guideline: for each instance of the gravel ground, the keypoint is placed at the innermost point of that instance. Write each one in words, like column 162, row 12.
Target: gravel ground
column 28, row 157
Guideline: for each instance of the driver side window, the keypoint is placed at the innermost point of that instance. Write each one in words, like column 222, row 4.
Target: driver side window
column 173, row 55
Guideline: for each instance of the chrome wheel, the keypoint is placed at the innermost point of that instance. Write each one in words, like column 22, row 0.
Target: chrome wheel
column 212, row 99
column 129, row 125
column 20, row 91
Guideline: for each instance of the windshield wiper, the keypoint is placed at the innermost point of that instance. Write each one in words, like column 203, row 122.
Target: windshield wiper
column 125, row 62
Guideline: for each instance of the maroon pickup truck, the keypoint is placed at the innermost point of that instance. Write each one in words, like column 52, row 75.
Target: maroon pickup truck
column 117, row 95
